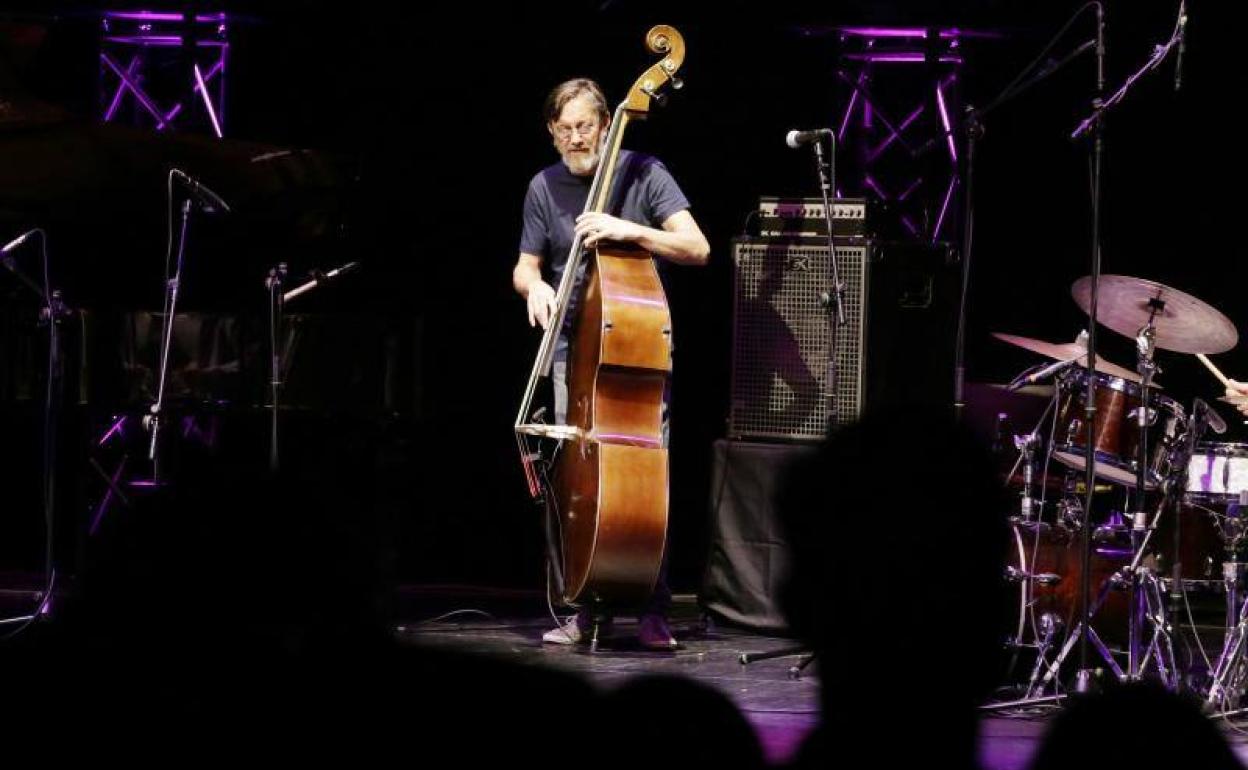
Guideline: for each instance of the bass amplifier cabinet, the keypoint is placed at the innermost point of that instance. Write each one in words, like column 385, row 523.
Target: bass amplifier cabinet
column 792, row 377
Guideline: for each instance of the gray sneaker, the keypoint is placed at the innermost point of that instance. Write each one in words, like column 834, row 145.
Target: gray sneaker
column 578, row 629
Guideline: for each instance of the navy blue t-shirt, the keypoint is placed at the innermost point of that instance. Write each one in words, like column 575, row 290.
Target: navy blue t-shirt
column 643, row 192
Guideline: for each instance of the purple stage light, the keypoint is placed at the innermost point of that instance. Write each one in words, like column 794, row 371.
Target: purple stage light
column 116, row 429
column 944, row 120
column 888, row 125
column 849, row 111
column 894, row 135
column 944, row 208
column 149, row 16
column 160, row 77
column 218, row 67
column 902, row 57
column 869, row 181
column 134, row 88
column 131, row 70
column 203, row 91
column 951, row 33
column 906, row 193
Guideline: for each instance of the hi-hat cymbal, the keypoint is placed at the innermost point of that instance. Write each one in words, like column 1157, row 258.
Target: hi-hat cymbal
column 1183, row 323
column 1065, row 351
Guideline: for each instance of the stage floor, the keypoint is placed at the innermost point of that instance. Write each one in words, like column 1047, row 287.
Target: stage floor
column 783, row 709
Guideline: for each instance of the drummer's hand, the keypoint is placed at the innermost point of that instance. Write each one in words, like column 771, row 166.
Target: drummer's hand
column 542, row 305
column 1237, row 393
column 594, row 226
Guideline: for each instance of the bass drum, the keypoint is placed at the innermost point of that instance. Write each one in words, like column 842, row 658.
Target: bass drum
column 1046, row 563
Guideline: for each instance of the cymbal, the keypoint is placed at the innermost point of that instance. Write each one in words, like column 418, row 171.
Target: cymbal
column 1183, row 323
column 1065, row 351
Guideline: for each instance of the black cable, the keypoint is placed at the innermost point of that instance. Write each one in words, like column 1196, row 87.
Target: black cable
column 1007, row 92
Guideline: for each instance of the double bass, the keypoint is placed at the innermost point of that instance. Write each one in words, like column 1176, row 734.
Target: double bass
column 610, row 491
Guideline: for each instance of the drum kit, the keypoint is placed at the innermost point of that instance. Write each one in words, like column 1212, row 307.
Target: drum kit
column 1174, row 525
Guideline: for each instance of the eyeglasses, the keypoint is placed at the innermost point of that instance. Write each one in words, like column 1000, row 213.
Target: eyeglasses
column 581, row 129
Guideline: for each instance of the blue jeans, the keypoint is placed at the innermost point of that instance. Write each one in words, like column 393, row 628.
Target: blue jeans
column 661, row 599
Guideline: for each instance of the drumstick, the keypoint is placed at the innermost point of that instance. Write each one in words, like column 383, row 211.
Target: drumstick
column 1216, row 372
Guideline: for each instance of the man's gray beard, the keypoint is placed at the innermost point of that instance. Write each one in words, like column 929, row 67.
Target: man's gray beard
column 585, row 163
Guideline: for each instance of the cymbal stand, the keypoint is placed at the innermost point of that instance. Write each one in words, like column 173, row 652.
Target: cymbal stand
column 1140, row 604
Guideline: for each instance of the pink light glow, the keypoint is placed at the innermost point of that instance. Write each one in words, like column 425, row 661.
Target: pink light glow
column 626, row 438
column 626, row 299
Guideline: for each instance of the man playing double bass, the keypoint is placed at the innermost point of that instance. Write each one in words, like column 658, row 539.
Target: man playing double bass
column 650, row 211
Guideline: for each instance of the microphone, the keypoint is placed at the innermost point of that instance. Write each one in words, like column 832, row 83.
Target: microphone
column 18, row 241
column 1040, row 374
column 209, row 200
column 796, row 138
column 1212, row 418
column 1178, row 60
column 317, row 278
column 1053, row 65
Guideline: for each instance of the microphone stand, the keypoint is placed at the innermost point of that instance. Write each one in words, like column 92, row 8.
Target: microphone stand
column 52, row 313
column 826, row 187
column 1095, row 125
column 827, row 182
column 1083, row 678
column 278, row 298
column 273, row 282
column 172, row 285
column 973, row 127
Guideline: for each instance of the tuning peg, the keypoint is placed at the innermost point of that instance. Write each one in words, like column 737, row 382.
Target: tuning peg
column 677, row 84
column 659, row 98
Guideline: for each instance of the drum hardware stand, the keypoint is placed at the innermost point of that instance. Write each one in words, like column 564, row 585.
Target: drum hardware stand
column 1083, row 634
column 1027, row 445
column 1146, row 598
column 1030, row 519
column 1050, row 627
column 1227, row 685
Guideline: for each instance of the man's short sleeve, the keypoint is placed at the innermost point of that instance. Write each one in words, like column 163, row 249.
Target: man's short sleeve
column 535, row 237
column 663, row 194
